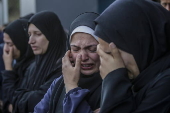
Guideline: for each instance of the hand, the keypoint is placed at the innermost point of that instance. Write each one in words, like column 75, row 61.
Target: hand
column 8, row 58
column 71, row 73
column 109, row 62
column 1, row 104
column 97, row 110
column 10, row 108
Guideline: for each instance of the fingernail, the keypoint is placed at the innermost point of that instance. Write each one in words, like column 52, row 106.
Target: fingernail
column 112, row 45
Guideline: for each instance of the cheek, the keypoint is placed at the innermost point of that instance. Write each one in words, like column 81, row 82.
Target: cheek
column 73, row 57
column 95, row 57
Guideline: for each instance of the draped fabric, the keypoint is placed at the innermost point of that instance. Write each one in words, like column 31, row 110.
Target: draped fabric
column 141, row 28
column 49, row 24
column 17, row 32
column 47, row 66
column 16, row 78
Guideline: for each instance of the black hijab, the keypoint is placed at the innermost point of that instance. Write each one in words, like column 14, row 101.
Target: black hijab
column 141, row 28
column 93, row 82
column 17, row 32
column 49, row 24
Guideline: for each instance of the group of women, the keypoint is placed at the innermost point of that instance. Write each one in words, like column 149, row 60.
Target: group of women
column 115, row 62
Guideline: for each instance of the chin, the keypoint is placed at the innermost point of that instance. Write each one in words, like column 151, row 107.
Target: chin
column 88, row 72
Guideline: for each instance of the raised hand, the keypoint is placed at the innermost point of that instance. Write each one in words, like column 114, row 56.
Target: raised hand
column 109, row 62
column 8, row 58
column 71, row 72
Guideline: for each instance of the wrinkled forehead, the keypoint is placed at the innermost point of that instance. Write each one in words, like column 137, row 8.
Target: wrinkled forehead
column 165, row 1
column 84, row 39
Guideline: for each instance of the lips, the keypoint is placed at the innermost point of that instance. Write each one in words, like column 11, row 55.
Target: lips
column 34, row 47
column 87, row 66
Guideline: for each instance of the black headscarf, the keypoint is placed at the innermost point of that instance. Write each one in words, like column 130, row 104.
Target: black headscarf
column 49, row 24
column 141, row 28
column 93, row 82
column 17, row 33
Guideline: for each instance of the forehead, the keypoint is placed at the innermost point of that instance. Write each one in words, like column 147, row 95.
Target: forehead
column 7, row 38
column 32, row 27
column 165, row 1
column 83, row 39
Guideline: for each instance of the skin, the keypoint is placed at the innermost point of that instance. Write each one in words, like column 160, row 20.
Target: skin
column 10, row 52
column 84, row 59
column 165, row 4
column 37, row 40
column 113, row 58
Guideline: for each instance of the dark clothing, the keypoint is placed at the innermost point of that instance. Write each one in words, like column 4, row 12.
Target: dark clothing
column 140, row 28
column 47, row 66
column 1, row 68
column 12, row 81
column 117, row 96
column 1, row 62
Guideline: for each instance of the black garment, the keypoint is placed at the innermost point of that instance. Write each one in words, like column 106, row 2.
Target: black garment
column 141, row 28
column 48, row 65
column 15, row 79
column 92, row 82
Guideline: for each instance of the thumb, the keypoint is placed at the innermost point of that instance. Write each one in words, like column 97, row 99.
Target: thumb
column 78, row 62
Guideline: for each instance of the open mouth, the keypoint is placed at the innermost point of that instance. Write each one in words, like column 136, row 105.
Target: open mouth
column 87, row 66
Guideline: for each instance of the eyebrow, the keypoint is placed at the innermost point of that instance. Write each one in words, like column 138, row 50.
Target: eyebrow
column 85, row 47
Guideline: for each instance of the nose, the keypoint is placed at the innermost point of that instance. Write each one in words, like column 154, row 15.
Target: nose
column 6, row 48
column 84, row 55
column 31, row 40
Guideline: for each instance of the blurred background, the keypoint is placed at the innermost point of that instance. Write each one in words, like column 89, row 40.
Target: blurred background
column 67, row 10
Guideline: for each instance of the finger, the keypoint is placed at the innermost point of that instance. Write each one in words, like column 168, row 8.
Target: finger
column 78, row 62
column 65, row 59
column 114, row 50
column 10, row 51
column 101, row 53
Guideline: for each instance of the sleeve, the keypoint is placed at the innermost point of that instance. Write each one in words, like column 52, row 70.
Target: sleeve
column 116, row 96
column 157, row 98
column 9, row 84
column 25, row 100
column 74, row 101
column 43, row 105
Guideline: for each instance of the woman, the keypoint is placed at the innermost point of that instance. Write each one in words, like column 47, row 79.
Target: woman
column 78, row 73
column 15, row 48
column 141, row 48
column 134, row 51
column 48, row 42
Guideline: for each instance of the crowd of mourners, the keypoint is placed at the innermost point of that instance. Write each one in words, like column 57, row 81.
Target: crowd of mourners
column 114, row 62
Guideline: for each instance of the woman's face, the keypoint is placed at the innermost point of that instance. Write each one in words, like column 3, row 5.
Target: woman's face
column 86, row 45
column 128, row 59
column 37, row 40
column 9, row 44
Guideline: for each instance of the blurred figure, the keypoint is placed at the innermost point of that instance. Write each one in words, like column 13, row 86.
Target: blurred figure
column 28, row 16
column 165, row 4
column 15, row 47
column 1, row 64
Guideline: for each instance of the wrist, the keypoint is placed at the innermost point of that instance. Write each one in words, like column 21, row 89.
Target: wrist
column 8, row 68
column 70, row 87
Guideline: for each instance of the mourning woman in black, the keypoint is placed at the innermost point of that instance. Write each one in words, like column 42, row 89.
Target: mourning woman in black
column 140, row 50
column 48, row 42
column 16, row 47
column 134, row 50
column 77, row 73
